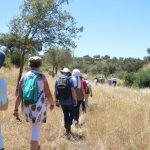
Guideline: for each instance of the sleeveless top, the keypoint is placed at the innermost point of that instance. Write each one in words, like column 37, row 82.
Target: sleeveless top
column 36, row 113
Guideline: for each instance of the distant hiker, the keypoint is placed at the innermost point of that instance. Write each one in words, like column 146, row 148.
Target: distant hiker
column 33, row 88
column 66, row 97
column 95, row 81
column 114, row 81
column 88, row 92
column 80, row 92
column 3, row 96
column 86, row 89
column 109, row 81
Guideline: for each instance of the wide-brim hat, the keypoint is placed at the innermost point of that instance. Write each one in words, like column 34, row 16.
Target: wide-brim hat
column 65, row 70
column 2, row 58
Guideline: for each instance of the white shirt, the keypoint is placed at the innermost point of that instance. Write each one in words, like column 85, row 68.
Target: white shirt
column 95, row 81
column 3, row 92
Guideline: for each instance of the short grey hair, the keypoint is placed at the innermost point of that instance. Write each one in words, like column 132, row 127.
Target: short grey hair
column 35, row 61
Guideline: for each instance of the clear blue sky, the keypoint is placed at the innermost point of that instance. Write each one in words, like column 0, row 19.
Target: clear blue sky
column 118, row 28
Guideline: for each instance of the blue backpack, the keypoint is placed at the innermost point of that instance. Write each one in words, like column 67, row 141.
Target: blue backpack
column 30, row 89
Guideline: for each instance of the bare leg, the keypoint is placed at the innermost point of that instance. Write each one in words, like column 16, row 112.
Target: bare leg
column 36, row 129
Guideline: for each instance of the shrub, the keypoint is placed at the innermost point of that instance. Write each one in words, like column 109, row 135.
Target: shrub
column 129, row 79
column 7, row 63
column 140, row 79
column 143, row 79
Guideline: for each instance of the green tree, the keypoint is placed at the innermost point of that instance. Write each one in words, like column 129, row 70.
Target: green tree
column 106, row 57
column 88, row 59
column 97, row 57
column 46, row 22
column 148, row 52
column 58, row 58
column 13, row 46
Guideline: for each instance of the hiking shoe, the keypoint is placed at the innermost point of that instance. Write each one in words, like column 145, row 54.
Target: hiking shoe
column 68, row 129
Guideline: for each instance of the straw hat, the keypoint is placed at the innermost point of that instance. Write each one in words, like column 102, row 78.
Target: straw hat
column 65, row 70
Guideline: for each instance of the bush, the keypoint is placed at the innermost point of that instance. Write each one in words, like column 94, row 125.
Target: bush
column 7, row 63
column 143, row 79
column 120, row 74
column 129, row 79
column 15, row 59
column 140, row 79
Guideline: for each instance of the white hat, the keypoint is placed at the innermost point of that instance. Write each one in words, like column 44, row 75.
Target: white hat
column 85, row 76
column 65, row 70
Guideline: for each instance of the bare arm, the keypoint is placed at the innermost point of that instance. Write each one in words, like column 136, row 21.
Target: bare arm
column 74, row 96
column 18, row 100
column 48, row 92
column 55, row 95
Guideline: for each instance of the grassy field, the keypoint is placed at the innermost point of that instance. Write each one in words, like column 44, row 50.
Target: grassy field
column 118, row 119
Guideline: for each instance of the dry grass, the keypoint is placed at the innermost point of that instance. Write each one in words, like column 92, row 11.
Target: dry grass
column 118, row 119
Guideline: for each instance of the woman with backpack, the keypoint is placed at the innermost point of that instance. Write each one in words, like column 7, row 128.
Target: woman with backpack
column 3, row 96
column 33, row 88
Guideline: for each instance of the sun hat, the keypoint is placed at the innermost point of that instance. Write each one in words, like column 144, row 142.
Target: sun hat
column 85, row 76
column 81, row 75
column 2, row 58
column 65, row 70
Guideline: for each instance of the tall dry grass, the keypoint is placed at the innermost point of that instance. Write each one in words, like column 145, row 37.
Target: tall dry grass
column 118, row 119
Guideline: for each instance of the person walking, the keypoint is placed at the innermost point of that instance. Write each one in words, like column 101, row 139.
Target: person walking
column 33, row 92
column 88, row 90
column 3, row 96
column 80, row 92
column 95, row 81
column 66, row 97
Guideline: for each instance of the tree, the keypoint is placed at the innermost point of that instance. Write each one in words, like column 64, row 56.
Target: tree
column 148, row 51
column 88, row 59
column 132, row 64
column 13, row 46
column 97, row 57
column 58, row 58
column 106, row 57
column 47, row 23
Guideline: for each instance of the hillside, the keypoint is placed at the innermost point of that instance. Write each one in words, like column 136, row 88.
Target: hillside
column 118, row 118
